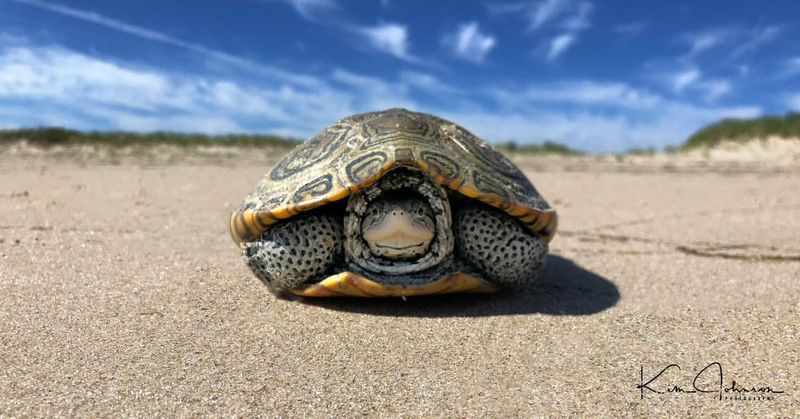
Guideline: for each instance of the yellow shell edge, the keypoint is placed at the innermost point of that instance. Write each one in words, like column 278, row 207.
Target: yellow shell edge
column 348, row 284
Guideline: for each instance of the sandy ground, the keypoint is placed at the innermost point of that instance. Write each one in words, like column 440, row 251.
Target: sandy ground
column 121, row 293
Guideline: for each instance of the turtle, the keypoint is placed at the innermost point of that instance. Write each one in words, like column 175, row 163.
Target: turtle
column 393, row 203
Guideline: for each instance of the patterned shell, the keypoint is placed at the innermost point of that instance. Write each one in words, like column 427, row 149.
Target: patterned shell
column 352, row 154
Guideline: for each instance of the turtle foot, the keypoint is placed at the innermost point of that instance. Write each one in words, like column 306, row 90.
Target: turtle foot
column 292, row 252
column 501, row 248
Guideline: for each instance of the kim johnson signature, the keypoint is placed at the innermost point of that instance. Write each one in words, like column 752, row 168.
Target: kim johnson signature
column 709, row 380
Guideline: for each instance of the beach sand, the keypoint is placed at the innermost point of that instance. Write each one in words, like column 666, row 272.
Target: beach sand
column 122, row 293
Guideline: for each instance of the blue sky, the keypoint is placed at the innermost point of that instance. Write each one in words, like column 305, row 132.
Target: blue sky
column 598, row 76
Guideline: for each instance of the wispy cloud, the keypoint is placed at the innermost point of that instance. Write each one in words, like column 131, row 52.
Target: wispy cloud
column 564, row 19
column 578, row 19
column 699, row 42
column 311, row 9
column 756, row 38
column 426, row 82
column 793, row 102
column 389, row 38
column 682, row 79
column 571, row 15
column 373, row 93
column 558, row 45
column 469, row 43
column 631, row 29
column 163, row 38
column 82, row 91
column 595, row 130
column 581, row 92
column 540, row 13
column 715, row 89
column 790, row 67
column 742, row 41
column 104, row 90
column 85, row 92
column 692, row 79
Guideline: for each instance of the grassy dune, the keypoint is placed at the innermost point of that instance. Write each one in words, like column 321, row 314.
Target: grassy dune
column 738, row 130
column 547, row 147
column 51, row 136
column 743, row 130
column 47, row 137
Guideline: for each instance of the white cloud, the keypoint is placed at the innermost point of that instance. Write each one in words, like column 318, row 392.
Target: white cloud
column 426, row 82
column 755, row 38
column 579, row 19
column 543, row 11
column 573, row 15
column 581, row 92
column 683, row 79
column 742, row 40
column 94, row 92
column 793, row 102
column 163, row 38
column 568, row 18
column 708, row 39
column 744, row 70
column 788, row 68
column 715, row 88
column 469, row 43
column 670, row 123
column 631, row 29
column 390, row 38
column 691, row 79
column 56, row 86
column 372, row 93
column 559, row 45
column 310, row 9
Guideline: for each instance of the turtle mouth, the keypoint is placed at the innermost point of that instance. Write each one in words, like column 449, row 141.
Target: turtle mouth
column 410, row 246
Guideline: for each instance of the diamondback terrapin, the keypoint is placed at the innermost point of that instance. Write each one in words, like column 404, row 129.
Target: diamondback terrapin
column 393, row 203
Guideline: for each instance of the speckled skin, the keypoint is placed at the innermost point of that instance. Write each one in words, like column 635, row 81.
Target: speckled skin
column 291, row 253
column 498, row 245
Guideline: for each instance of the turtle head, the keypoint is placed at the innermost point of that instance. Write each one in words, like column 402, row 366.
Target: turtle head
column 398, row 226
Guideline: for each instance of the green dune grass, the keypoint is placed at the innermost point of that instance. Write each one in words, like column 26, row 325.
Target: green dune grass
column 51, row 136
column 743, row 130
column 546, row 147
column 47, row 137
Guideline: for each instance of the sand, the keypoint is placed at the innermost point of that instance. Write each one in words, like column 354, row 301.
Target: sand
column 122, row 294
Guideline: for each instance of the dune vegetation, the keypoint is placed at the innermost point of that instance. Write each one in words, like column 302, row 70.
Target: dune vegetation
column 546, row 147
column 744, row 130
column 735, row 130
column 52, row 136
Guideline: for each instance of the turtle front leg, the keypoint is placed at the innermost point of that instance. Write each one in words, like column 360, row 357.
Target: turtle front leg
column 297, row 250
column 498, row 245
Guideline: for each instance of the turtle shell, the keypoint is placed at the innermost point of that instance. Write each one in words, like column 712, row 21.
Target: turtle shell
column 355, row 152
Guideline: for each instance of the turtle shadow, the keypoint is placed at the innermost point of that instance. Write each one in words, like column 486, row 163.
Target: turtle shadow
column 563, row 288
